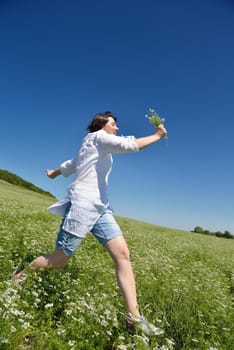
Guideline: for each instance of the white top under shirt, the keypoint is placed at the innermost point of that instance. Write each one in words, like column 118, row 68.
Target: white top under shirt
column 88, row 192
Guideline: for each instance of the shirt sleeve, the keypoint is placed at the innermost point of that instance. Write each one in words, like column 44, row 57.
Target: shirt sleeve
column 68, row 167
column 116, row 144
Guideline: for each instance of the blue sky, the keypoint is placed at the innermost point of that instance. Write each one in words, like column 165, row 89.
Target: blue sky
column 61, row 62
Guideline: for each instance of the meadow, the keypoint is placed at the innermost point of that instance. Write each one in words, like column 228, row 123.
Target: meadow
column 185, row 284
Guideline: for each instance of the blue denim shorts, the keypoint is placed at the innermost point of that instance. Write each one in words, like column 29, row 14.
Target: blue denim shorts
column 104, row 229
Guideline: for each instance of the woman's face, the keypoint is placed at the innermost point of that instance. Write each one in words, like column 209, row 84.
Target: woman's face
column 111, row 127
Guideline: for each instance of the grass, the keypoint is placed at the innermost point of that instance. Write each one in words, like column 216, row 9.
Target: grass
column 185, row 284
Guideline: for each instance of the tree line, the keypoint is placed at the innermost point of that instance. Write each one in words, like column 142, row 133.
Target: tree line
column 17, row 180
column 225, row 234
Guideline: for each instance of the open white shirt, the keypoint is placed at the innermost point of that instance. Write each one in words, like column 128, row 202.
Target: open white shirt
column 88, row 192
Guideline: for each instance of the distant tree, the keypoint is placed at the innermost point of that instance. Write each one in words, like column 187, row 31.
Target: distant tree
column 198, row 229
column 227, row 234
column 219, row 234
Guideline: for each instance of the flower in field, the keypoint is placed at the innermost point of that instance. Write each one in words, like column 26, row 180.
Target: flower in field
column 16, row 312
column 47, row 306
column 25, row 325
column 71, row 343
column 68, row 312
column 13, row 329
column 4, row 340
column 195, row 340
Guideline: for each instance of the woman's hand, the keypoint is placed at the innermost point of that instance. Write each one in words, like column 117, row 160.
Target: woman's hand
column 53, row 173
column 161, row 131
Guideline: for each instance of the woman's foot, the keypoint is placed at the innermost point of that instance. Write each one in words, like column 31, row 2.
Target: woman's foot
column 17, row 276
column 141, row 323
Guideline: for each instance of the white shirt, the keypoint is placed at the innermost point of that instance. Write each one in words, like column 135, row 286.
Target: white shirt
column 88, row 192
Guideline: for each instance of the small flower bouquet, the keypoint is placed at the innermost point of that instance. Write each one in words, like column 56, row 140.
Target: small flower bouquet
column 155, row 119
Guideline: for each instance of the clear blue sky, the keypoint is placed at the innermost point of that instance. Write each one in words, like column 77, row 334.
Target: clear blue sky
column 63, row 61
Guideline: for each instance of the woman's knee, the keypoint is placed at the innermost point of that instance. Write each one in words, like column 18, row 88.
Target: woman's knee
column 124, row 253
column 118, row 249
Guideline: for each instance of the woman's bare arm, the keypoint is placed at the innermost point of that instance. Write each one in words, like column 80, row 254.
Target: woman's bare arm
column 53, row 173
column 146, row 141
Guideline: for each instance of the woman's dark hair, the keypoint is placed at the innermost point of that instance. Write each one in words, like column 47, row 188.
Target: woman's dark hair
column 100, row 120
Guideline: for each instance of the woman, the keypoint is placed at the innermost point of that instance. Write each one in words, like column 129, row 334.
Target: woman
column 86, row 208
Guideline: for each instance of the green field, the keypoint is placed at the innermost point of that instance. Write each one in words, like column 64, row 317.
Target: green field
column 185, row 285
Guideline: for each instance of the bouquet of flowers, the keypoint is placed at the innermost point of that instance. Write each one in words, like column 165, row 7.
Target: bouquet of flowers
column 155, row 119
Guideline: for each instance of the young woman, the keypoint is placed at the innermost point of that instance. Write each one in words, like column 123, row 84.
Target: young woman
column 87, row 209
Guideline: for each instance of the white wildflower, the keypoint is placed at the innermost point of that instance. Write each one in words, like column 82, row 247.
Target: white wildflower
column 13, row 329
column 25, row 325
column 4, row 340
column 47, row 306
column 194, row 340
column 68, row 312
column 71, row 343
column 60, row 331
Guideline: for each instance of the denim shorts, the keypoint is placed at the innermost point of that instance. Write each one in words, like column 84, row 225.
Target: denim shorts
column 104, row 229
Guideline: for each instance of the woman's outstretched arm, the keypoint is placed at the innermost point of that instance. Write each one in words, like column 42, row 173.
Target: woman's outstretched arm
column 146, row 141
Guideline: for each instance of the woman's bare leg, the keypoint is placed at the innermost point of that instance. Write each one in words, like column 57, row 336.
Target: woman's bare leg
column 118, row 250
column 56, row 260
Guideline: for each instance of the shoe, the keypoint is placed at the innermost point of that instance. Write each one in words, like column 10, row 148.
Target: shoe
column 142, row 324
column 130, row 326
